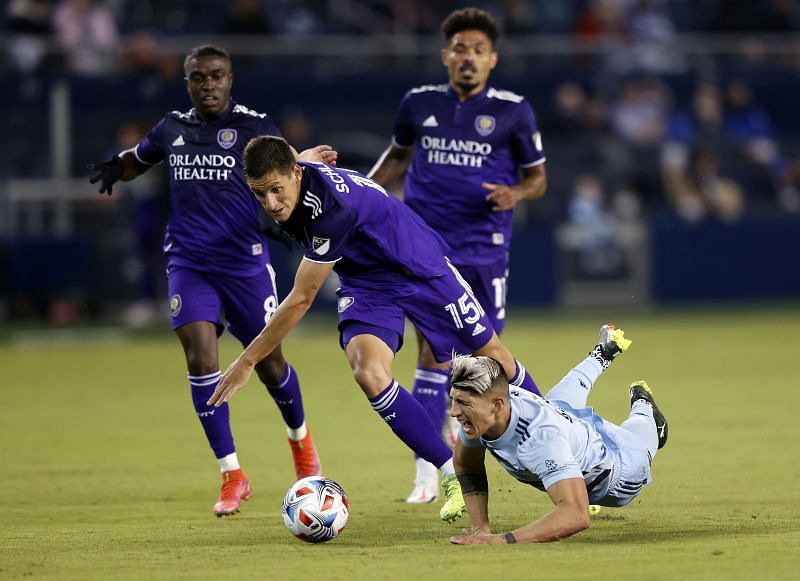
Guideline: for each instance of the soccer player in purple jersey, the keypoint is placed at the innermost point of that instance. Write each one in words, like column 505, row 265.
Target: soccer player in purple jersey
column 216, row 254
column 462, row 148
column 391, row 265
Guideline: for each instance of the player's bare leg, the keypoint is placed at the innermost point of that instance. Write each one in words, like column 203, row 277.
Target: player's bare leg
column 371, row 360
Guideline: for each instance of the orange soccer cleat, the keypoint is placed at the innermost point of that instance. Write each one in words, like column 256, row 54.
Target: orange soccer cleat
column 306, row 461
column 235, row 488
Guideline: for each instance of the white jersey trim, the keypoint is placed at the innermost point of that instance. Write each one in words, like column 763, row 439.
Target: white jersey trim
column 493, row 93
column 534, row 164
column 429, row 89
column 139, row 159
column 394, row 142
column 247, row 111
column 322, row 261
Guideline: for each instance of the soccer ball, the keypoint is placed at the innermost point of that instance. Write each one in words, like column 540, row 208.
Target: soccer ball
column 315, row 509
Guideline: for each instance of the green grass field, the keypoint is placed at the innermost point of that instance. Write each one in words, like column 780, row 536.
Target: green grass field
column 107, row 475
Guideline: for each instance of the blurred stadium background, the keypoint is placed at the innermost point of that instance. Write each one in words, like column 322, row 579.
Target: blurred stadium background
column 673, row 155
column 670, row 128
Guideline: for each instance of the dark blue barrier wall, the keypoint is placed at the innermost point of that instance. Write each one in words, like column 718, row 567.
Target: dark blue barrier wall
column 712, row 260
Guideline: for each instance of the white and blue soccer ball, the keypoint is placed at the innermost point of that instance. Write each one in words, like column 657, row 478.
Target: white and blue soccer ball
column 315, row 509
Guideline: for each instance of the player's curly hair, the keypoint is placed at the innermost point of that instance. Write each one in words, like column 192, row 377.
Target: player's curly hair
column 470, row 19
column 477, row 373
column 204, row 50
column 266, row 154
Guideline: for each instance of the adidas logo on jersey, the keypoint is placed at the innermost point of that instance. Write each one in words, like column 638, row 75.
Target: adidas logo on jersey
column 478, row 329
column 178, row 141
column 430, row 122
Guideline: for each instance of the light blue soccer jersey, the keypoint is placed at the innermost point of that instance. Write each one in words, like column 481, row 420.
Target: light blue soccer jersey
column 458, row 146
column 545, row 444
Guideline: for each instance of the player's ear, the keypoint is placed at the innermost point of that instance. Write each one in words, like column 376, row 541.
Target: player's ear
column 444, row 56
column 494, row 58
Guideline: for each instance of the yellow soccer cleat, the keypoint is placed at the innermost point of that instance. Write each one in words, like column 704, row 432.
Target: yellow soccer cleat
column 611, row 344
column 453, row 507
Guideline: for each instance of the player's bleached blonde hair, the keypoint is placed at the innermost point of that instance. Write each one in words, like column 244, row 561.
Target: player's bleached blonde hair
column 476, row 373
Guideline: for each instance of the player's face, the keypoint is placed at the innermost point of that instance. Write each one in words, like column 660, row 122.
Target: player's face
column 469, row 58
column 209, row 80
column 477, row 414
column 278, row 193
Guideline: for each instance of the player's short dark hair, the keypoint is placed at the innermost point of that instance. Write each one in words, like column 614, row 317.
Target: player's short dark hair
column 478, row 374
column 204, row 50
column 470, row 19
column 266, row 154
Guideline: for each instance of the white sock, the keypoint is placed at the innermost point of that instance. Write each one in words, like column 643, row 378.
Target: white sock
column 447, row 468
column 298, row 433
column 228, row 463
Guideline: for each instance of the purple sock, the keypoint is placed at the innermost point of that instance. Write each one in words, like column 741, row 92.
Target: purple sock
column 410, row 423
column 216, row 421
column 430, row 390
column 288, row 399
column 524, row 380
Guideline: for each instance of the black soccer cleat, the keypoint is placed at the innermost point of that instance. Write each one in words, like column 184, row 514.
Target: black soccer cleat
column 640, row 390
column 611, row 344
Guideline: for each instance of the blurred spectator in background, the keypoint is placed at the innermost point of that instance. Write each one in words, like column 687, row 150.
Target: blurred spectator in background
column 143, row 54
column 148, row 199
column 246, row 17
column 749, row 131
column 592, row 236
column 699, row 190
column 28, row 22
column 653, row 37
column 87, row 33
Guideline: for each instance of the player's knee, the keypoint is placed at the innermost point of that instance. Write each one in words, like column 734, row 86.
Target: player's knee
column 372, row 379
column 271, row 370
column 201, row 363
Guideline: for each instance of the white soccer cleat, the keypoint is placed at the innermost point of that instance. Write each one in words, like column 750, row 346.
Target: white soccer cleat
column 426, row 483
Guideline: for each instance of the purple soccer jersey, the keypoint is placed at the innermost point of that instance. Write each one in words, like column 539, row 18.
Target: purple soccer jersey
column 457, row 147
column 390, row 263
column 214, row 217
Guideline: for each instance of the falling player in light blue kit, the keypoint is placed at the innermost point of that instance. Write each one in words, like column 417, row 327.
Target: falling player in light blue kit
column 464, row 146
column 391, row 265
column 555, row 444
column 217, row 257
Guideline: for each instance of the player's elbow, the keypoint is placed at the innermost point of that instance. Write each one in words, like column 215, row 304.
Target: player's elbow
column 575, row 519
column 580, row 520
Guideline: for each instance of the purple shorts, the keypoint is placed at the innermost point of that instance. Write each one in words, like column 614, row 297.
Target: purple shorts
column 488, row 282
column 247, row 302
column 443, row 309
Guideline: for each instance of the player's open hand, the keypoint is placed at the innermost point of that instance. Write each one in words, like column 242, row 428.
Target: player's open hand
column 107, row 173
column 234, row 379
column 323, row 153
column 502, row 196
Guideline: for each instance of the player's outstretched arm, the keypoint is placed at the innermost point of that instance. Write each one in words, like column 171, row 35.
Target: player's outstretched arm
column 391, row 165
column 531, row 187
column 320, row 153
column 569, row 516
column 308, row 280
column 123, row 167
